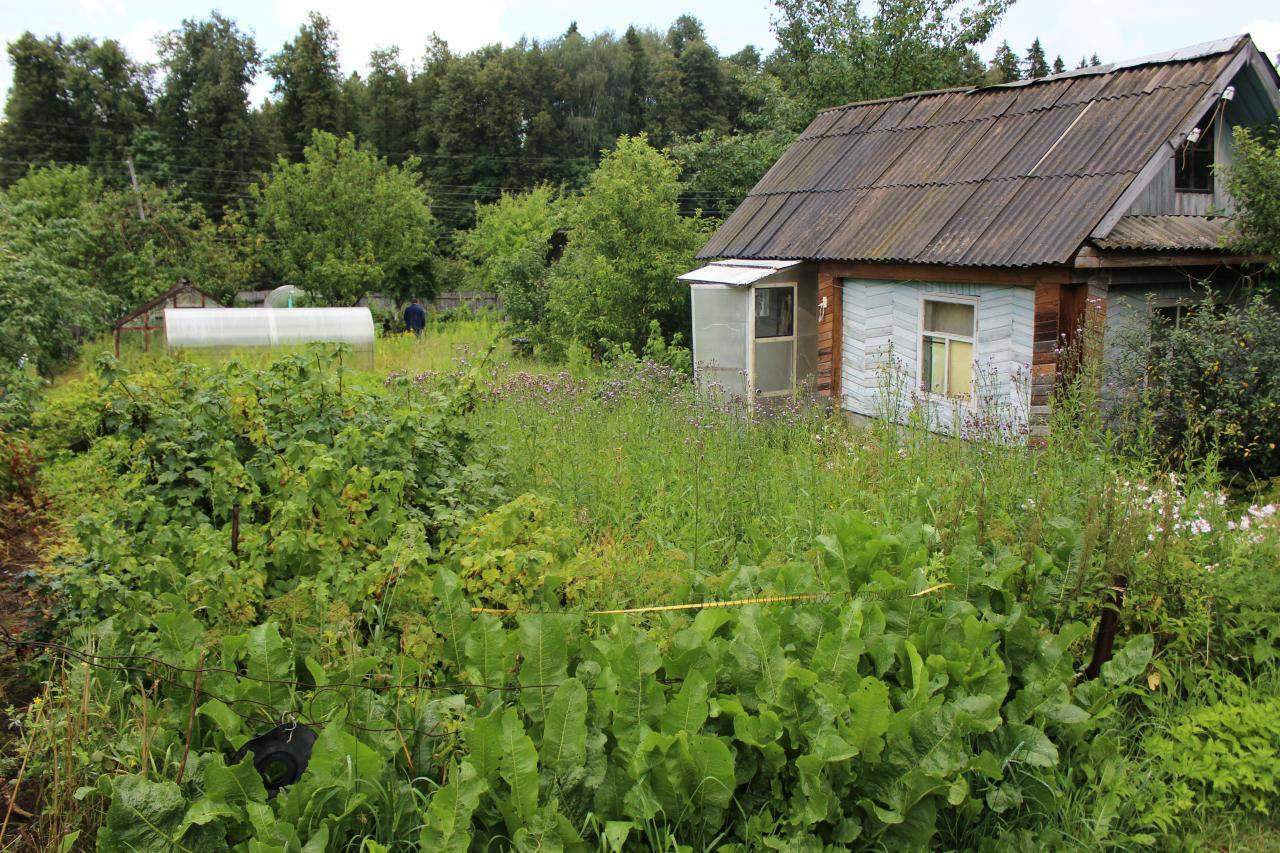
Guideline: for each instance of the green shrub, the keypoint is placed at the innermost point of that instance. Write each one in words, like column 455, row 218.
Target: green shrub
column 506, row 557
column 656, row 350
column 343, row 222
column 1224, row 756
column 235, row 486
column 71, row 416
column 19, row 389
column 627, row 243
column 509, row 249
column 1215, row 381
column 1252, row 179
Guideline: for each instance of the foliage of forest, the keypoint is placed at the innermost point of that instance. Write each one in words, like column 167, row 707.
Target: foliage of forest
column 123, row 178
column 493, row 119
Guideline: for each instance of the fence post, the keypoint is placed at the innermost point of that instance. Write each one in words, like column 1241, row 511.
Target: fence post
column 1105, row 639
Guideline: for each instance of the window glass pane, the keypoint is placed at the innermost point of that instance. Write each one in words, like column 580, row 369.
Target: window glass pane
column 960, row 369
column 1193, row 165
column 950, row 318
column 775, row 312
column 933, row 369
column 774, row 363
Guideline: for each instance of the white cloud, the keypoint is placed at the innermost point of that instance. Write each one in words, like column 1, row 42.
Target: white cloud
column 140, row 41
column 366, row 26
column 1266, row 32
column 1126, row 30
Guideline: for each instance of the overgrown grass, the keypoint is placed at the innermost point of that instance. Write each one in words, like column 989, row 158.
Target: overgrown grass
column 643, row 492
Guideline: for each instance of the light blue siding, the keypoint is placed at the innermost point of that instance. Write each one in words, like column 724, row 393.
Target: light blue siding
column 880, row 352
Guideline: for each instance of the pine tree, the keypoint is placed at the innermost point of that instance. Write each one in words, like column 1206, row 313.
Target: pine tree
column 1005, row 67
column 39, row 119
column 1036, row 63
column 202, row 113
column 309, row 83
column 685, row 30
column 387, row 116
column 638, row 91
column 1058, row 65
column 1084, row 63
column 1094, row 61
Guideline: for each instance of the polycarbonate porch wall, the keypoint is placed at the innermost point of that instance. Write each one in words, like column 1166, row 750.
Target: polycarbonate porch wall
column 720, row 338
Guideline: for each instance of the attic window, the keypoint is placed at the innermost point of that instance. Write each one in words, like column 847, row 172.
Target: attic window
column 1193, row 165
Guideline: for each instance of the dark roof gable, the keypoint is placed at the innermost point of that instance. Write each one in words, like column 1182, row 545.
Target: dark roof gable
column 1009, row 175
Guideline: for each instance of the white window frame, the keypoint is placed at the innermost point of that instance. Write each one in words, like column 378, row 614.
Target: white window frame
column 921, row 332
column 1183, row 304
column 752, row 340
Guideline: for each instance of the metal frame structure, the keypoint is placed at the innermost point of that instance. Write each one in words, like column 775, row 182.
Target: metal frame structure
column 754, row 341
column 146, row 312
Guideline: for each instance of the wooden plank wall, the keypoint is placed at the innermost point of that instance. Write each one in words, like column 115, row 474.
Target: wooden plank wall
column 830, row 325
column 1044, row 353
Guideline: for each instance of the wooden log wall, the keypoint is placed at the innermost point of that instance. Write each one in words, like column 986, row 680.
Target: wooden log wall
column 830, row 324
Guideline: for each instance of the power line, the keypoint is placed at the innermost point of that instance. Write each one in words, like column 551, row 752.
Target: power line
column 276, row 149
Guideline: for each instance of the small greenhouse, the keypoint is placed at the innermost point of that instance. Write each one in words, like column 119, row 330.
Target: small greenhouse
column 755, row 327
column 232, row 328
column 149, row 316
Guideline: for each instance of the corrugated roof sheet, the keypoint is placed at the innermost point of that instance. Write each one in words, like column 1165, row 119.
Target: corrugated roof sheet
column 1168, row 233
column 735, row 272
column 1010, row 175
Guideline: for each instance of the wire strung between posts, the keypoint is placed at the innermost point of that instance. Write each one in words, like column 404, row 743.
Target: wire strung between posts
column 706, row 605
column 133, row 663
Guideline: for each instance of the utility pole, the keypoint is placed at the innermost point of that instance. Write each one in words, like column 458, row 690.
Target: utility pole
column 133, row 179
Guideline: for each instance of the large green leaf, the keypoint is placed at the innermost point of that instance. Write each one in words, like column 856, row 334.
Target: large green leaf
column 180, row 634
column 239, row 784
column 759, row 652
column 870, row 714
column 269, row 661
column 488, row 651
column 710, row 763
column 544, row 640
column 484, row 740
column 143, row 816
column 564, row 738
column 453, row 616
column 836, row 657
column 337, row 756
column 228, row 721
column 1032, row 746
column 447, row 822
column 638, row 702
column 1130, row 662
column 688, row 710
column 519, row 767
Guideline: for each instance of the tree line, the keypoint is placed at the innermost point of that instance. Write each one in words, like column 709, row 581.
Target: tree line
column 499, row 118
column 457, row 167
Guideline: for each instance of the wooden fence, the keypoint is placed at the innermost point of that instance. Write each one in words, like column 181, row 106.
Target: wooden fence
column 474, row 299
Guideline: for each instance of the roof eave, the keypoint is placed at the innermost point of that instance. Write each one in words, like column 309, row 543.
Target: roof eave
column 1091, row 258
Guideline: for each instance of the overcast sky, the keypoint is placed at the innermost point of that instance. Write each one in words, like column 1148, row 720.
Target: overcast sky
column 1114, row 29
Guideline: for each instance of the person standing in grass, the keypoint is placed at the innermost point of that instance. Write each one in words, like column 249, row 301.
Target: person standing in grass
column 415, row 317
